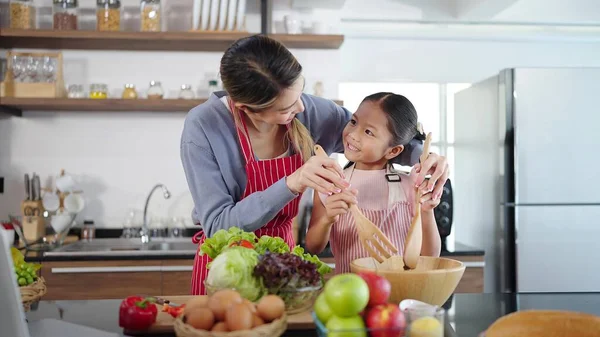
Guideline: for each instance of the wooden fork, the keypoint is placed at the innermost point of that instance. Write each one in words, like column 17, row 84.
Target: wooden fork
column 367, row 231
column 414, row 238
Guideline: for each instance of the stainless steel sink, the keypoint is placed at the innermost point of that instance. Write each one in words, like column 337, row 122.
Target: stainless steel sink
column 108, row 247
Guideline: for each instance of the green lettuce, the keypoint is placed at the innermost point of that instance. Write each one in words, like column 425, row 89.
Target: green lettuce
column 234, row 269
column 273, row 244
column 214, row 245
column 322, row 268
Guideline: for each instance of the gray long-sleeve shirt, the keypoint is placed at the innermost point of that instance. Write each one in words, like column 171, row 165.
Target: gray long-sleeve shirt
column 215, row 168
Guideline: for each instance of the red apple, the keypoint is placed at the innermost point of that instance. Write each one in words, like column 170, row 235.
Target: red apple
column 387, row 320
column 379, row 288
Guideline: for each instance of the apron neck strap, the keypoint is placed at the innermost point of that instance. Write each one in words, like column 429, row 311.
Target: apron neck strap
column 394, row 180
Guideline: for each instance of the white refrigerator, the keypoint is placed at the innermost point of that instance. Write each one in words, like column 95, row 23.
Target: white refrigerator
column 527, row 178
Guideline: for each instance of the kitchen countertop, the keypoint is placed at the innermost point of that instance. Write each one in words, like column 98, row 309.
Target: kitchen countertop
column 467, row 314
column 38, row 256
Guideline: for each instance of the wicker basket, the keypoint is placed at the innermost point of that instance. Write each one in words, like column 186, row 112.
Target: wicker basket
column 273, row 329
column 32, row 293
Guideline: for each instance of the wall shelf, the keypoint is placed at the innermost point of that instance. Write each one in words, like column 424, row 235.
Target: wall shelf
column 146, row 41
column 16, row 106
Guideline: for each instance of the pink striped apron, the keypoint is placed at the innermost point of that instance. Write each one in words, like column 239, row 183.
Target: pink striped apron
column 393, row 220
column 260, row 174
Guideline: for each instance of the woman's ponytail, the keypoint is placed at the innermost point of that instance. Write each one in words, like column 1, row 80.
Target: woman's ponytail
column 300, row 139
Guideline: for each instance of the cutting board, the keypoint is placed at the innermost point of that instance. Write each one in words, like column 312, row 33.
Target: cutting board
column 164, row 321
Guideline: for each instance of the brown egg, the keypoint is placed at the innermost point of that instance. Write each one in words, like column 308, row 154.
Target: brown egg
column 195, row 302
column 220, row 301
column 238, row 317
column 257, row 321
column 220, row 327
column 250, row 305
column 200, row 318
column 270, row 308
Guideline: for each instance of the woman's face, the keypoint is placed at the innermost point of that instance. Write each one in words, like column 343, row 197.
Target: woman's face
column 367, row 137
column 285, row 108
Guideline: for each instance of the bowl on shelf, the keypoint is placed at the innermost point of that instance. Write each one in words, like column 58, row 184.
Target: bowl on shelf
column 432, row 282
column 296, row 299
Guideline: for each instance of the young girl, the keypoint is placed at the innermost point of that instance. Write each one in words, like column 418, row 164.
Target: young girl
column 379, row 131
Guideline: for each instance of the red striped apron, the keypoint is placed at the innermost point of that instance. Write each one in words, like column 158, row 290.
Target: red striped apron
column 393, row 219
column 260, row 175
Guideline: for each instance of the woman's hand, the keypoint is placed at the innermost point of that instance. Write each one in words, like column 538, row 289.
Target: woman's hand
column 318, row 174
column 339, row 203
column 437, row 167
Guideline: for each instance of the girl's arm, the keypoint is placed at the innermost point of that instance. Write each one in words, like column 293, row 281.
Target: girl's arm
column 432, row 243
column 319, row 227
column 325, row 214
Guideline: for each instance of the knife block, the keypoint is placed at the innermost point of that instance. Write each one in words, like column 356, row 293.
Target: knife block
column 34, row 227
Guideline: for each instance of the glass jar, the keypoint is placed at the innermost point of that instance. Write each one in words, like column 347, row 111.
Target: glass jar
column 108, row 15
column 76, row 91
column 155, row 91
column 150, row 15
column 186, row 92
column 98, row 91
column 22, row 14
column 129, row 92
column 65, row 14
column 212, row 86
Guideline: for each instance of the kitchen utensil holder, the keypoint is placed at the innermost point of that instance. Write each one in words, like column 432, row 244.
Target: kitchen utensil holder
column 56, row 89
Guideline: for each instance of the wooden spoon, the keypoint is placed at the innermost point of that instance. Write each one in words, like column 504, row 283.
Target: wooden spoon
column 414, row 239
column 367, row 231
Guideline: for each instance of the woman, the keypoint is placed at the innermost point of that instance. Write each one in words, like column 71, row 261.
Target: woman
column 247, row 151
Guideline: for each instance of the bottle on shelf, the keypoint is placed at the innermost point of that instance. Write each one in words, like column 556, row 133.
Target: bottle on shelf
column 155, row 91
column 150, row 15
column 129, row 92
column 186, row 92
column 65, row 14
column 108, row 15
column 22, row 14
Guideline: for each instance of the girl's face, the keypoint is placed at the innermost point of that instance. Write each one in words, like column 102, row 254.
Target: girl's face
column 367, row 138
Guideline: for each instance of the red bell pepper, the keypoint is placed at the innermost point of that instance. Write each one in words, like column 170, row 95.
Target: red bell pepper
column 242, row 243
column 137, row 313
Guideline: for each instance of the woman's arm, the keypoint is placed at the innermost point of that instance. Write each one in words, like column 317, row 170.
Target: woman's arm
column 432, row 243
column 214, row 205
column 325, row 120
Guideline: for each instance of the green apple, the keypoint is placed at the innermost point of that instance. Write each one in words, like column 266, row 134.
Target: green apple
column 322, row 309
column 346, row 327
column 347, row 294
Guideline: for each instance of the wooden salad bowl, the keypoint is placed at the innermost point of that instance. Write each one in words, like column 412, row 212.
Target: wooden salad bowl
column 432, row 281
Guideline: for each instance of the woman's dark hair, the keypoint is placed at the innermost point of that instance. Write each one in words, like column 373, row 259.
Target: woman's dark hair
column 255, row 70
column 401, row 115
column 402, row 123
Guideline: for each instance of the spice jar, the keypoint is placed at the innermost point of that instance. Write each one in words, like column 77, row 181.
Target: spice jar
column 186, row 92
column 65, row 14
column 108, row 15
column 129, row 92
column 76, row 91
column 155, row 91
column 22, row 14
column 150, row 15
column 98, row 91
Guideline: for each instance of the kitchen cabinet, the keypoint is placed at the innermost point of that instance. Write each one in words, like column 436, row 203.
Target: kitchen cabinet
column 83, row 280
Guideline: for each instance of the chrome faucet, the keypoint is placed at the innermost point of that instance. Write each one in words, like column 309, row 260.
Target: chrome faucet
column 166, row 194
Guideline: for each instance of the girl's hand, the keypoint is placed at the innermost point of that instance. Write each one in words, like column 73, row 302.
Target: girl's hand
column 316, row 174
column 428, row 203
column 437, row 166
column 339, row 203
